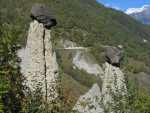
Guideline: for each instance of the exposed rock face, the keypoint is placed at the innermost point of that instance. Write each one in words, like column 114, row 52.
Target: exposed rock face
column 120, row 46
column 82, row 59
column 55, row 65
column 90, row 102
column 20, row 53
column 145, row 41
column 85, row 62
column 67, row 43
column 42, row 15
column 114, row 77
column 113, row 55
column 37, row 62
column 114, row 82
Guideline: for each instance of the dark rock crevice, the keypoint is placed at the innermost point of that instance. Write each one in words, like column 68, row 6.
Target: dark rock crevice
column 44, row 50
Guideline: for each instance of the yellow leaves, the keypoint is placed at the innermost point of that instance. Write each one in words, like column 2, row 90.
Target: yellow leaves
column 18, row 80
column 1, row 105
column 17, row 95
column 24, row 104
column 4, row 72
column 58, row 104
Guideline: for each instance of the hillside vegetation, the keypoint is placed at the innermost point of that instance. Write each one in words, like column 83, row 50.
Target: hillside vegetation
column 85, row 22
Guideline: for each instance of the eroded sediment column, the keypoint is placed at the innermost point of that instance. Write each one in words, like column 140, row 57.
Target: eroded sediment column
column 37, row 63
column 114, row 78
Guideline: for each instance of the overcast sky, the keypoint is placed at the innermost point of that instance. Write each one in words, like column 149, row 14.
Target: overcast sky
column 124, row 4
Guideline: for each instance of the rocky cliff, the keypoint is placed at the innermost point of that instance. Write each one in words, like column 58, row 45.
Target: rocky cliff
column 90, row 102
column 84, row 62
column 82, row 59
column 114, row 81
column 37, row 61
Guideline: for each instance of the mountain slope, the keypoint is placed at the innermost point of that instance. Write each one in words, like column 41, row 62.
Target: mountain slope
column 86, row 23
column 87, row 15
column 141, row 14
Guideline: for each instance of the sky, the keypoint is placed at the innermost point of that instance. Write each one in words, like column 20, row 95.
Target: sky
column 123, row 5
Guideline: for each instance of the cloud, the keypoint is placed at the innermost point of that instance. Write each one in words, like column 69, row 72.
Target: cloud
column 107, row 5
column 112, row 5
column 116, row 7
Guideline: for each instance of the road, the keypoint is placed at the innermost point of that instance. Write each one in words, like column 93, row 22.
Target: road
column 72, row 48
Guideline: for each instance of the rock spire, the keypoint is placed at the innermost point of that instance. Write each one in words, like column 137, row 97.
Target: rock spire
column 37, row 64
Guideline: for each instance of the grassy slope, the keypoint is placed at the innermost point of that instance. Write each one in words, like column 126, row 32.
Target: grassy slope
column 77, row 77
column 72, row 89
column 87, row 23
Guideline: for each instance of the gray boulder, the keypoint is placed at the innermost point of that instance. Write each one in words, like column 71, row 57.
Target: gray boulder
column 43, row 15
column 113, row 55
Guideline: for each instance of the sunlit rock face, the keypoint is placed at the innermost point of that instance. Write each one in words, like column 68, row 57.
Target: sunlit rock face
column 90, row 102
column 37, row 61
column 113, row 84
column 114, row 80
column 67, row 43
column 84, row 62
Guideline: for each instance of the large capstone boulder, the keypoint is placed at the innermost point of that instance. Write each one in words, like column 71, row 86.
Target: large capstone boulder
column 43, row 15
column 113, row 55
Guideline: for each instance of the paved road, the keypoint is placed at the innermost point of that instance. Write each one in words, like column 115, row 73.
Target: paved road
column 72, row 48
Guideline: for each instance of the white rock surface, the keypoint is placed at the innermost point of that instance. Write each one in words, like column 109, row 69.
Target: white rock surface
column 83, row 62
column 20, row 53
column 55, row 64
column 67, row 43
column 51, row 78
column 91, row 98
column 37, row 61
column 144, row 41
column 112, row 72
column 120, row 46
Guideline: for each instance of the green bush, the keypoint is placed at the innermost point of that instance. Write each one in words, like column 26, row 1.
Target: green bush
column 82, row 77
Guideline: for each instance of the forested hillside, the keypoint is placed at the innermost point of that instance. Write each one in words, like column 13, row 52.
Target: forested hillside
column 85, row 22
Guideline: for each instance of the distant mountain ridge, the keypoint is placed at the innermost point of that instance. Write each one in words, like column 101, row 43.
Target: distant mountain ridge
column 141, row 14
